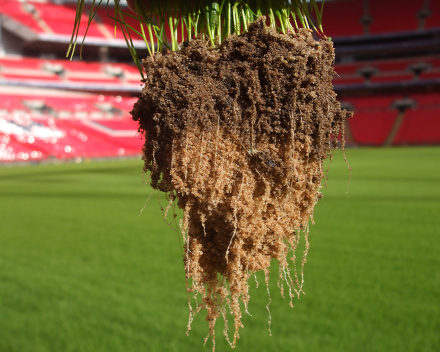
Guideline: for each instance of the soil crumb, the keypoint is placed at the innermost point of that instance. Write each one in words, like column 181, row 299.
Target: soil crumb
column 238, row 135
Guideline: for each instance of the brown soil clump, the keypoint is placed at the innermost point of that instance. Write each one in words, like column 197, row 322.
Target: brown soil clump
column 238, row 135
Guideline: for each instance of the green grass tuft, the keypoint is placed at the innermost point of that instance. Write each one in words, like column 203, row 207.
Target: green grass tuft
column 214, row 20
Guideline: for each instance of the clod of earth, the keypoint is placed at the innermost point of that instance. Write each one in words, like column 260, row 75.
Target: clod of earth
column 238, row 135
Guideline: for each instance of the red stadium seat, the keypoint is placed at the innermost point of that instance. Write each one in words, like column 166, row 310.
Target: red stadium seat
column 79, row 65
column 86, row 103
column 348, row 80
column 347, row 68
column 13, row 150
column 71, row 104
column 427, row 100
column 393, row 77
column 393, row 64
column 94, row 79
column 433, row 21
column 351, row 11
column 430, row 74
column 11, row 102
column 373, row 103
column 60, row 19
column 16, row 11
column 389, row 18
column 122, row 103
column 372, row 128
column 420, row 126
column 21, row 63
column 26, row 76
column 120, row 124
column 40, row 137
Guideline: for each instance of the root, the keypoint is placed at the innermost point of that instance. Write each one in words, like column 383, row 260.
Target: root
column 345, row 156
column 266, row 280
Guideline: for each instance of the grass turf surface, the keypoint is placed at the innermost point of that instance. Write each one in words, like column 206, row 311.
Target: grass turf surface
column 81, row 271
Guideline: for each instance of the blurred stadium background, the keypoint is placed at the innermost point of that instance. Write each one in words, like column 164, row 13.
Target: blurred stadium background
column 387, row 65
column 80, row 271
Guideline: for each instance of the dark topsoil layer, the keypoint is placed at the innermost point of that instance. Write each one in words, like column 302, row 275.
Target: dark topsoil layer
column 251, row 85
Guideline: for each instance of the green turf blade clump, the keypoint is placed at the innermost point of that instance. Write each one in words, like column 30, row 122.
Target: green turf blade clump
column 185, row 20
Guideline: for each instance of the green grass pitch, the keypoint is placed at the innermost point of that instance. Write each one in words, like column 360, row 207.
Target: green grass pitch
column 80, row 270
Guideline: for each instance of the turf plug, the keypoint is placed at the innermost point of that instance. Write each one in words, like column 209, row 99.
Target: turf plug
column 238, row 120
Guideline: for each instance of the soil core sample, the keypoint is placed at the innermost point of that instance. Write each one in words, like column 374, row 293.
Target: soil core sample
column 237, row 135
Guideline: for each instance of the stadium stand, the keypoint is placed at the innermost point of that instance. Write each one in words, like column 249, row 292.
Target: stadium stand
column 22, row 13
column 428, row 100
column 14, row 62
column 372, row 103
column 28, row 75
column 419, row 126
column 350, row 11
column 378, row 17
column 64, row 73
column 433, row 11
column 404, row 17
column 12, row 150
column 59, row 19
column 65, row 138
column 66, row 127
column 87, row 103
column 349, row 79
column 393, row 77
column 372, row 128
column 387, row 72
column 430, row 74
